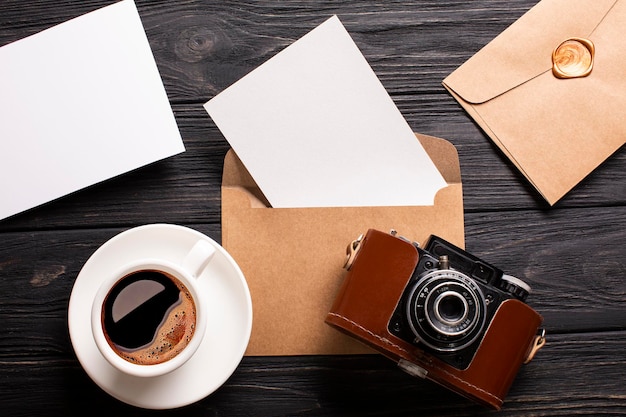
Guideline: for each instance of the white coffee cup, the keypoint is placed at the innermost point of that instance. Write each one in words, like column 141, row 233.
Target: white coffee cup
column 146, row 286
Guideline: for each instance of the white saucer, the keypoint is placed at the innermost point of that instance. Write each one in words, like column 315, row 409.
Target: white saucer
column 225, row 340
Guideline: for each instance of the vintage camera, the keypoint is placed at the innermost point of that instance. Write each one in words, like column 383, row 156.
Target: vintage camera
column 450, row 300
column 439, row 312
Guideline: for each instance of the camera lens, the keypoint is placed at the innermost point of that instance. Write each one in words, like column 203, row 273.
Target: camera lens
column 450, row 308
column 446, row 310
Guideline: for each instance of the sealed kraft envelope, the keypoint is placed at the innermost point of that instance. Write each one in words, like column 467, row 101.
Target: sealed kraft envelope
column 555, row 130
column 293, row 258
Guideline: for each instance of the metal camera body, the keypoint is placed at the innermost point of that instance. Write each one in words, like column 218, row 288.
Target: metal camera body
column 450, row 300
column 438, row 312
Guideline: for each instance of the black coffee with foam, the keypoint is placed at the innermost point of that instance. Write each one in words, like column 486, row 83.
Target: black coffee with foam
column 148, row 317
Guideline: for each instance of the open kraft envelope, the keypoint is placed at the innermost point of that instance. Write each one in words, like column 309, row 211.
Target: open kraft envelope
column 293, row 258
column 556, row 131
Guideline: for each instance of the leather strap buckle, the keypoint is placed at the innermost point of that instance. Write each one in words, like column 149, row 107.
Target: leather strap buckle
column 351, row 251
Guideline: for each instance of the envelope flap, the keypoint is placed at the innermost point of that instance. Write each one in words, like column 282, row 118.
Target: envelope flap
column 524, row 50
column 235, row 174
column 444, row 156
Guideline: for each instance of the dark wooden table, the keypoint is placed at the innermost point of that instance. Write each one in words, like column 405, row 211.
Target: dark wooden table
column 572, row 254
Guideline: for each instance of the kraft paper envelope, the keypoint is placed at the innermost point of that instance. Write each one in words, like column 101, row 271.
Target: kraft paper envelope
column 556, row 131
column 293, row 258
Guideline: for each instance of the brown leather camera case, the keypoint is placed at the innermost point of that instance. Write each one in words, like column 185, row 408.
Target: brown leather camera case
column 370, row 293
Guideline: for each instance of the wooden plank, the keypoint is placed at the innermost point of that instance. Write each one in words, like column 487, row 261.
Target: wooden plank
column 573, row 259
column 575, row 374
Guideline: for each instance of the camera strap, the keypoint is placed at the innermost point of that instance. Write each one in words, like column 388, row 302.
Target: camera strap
column 538, row 343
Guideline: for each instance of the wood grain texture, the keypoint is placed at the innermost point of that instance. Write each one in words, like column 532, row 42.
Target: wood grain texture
column 573, row 254
column 556, row 383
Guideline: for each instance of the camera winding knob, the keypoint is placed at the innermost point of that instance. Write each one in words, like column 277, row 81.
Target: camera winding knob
column 515, row 286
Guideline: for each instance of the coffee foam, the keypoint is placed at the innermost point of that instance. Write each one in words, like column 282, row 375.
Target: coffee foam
column 172, row 336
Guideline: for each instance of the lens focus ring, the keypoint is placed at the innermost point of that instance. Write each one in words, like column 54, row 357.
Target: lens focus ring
column 446, row 310
column 450, row 308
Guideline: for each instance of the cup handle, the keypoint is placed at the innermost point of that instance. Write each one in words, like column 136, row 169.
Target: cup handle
column 198, row 258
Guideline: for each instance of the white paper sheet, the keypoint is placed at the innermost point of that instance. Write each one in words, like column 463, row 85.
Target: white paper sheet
column 316, row 128
column 80, row 102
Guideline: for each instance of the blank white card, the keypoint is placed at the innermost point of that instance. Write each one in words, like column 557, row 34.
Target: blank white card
column 80, row 102
column 316, row 128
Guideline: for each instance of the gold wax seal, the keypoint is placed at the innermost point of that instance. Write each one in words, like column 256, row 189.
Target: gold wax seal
column 573, row 58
